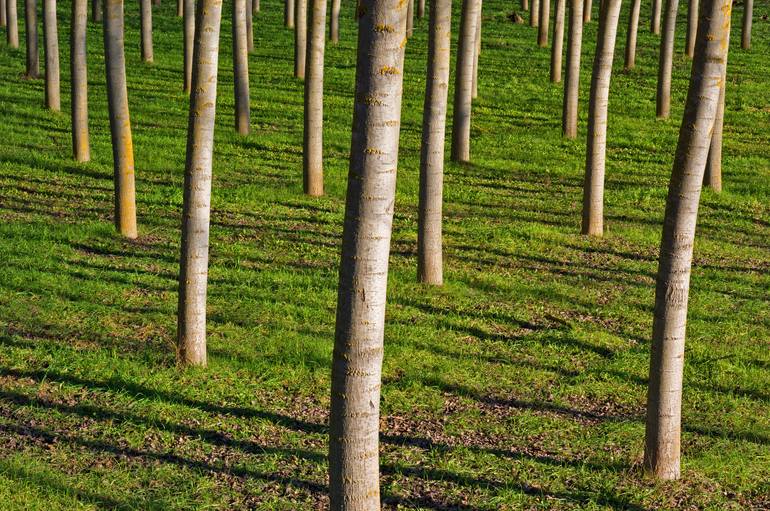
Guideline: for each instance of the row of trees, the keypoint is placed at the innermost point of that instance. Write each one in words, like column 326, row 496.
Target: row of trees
column 383, row 27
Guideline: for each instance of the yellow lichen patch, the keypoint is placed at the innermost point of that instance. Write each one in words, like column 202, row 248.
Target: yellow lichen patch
column 382, row 27
column 389, row 70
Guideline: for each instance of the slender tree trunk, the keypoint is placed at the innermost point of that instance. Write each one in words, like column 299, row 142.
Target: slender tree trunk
column 542, row 31
column 633, row 27
column 3, row 14
column 334, row 22
column 120, row 124
column 461, row 119
column 713, row 176
column 180, row 8
column 421, row 9
column 409, row 18
column 81, row 148
column 189, row 41
column 692, row 27
column 558, row 41
column 429, row 238
column 313, row 170
column 30, row 26
column 288, row 12
column 663, row 104
column 476, row 54
column 524, row 5
column 664, row 398
column 587, row 8
column 96, row 11
column 255, row 7
column 358, row 344
column 156, row 3
column 593, row 188
column 249, row 29
column 655, row 18
column 534, row 13
column 748, row 13
column 300, row 38
column 569, row 119
column 51, row 46
column 194, row 259
column 12, row 27
column 240, row 67
column 145, row 16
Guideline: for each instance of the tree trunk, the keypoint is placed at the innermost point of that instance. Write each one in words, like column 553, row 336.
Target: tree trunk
column 429, row 238
column 180, row 8
column 748, row 8
column 593, row 188
column 461, row 119
column 569, row 119
column 663, row 104
column 587, row 8
column 664, row 398
column 633, row 27
column 189, row 41
column 240, row 67
column 409, row 18
column 334, row 22
column 156, row 3
column 30, row 27
column 120, row 124
column 81, row 148
column 713, row 176
column 358, row 345
column 544, row 15
column 476, row 53
column 534, row 13
column 692, row 27
column 196, row 211
column 421, row 9
column 12, row 24
column 96, row 11
column 655, row 18
column 51, row 46
column 249, row 28
column 254, row 7
column 300, row 38
column 288, row 13
column 313, row 170
column 3, row 14
column 524, row 5
column 145, row 15
column 558, row 41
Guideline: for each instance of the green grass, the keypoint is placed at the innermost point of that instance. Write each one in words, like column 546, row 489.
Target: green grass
column 518, row 385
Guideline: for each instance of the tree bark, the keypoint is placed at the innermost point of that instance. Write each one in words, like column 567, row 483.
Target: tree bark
column 145, row 16
column 421, row 9
column 558, row 41
column 542, row 30
column 12, row 24
column 120, row 124
column 633, row 28
column 664, row 398
column 534, row 13
column 313, row 171
column 692, row 27
column 587, row 8
column 3, row 14
column 409, row 18
column 358, row 345
column 334, row 22
column 461, row 119
column 81, row 148
column 255, row 7
column 196, row 211
column 300, row 38
column 476, row 54
column 180, row 8
column 655, row 17
column 288, row 13
column 189, row 41
column 240, row 67
column 748, row 8
column 663, row 103
column 572, row 80
column 524, row 5
column 30, row 26
column 51, row 46
column 249, row 28
column 429, row 236
column 96, row 11
column 593, row 188
column 713, row 175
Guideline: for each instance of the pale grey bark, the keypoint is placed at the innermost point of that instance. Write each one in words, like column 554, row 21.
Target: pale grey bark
column 429, row 236
column 81, row 148
column 633, row 28
column 748, row 14
column 12, row 24
column 524, row 5
column 96, row 11
column 30, row 27
column 409, row 18
column 312, row 155
column 557, row 46
column 249, row 28
column 196, row 211
column 461, row 119
column 145, row 18
column 288, row 13
column 664, row 398
column 713, row 175
column 240, row 67
column 542, row 30
column 334, row 22
column 663, row 97
column 300, row 37
column 657, row 5
column 180, row 8
column 51, row 47
column 120, row 123
column 360, row 324
column 477, row 53
column 569, row 119
column 534, row 13
column 188, row 11
column 692, row 27
column 593, row 188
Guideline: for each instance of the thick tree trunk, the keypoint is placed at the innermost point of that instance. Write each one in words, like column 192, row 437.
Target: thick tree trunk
column 461, row 119
column 429, row 244
column 96, row 11
column 713, row 176
column 663, row 103
column 587, row 8
column 288, row 12
column 81, row 148
column 664, row 398
column 241, row 67
column 145, row 16
column 409, row 18
column 12, row 24
column 30, row 27
column 633, row 28
column 313, row 170
column 300, row 38
column 542, row 30
column 249, row 28
column 51, row 46
column 358, row 344
column 593, row 188
column 692, row 27
column 655, row 16
column 196, row 211
column 334, row 22
column 189, row 41
column 476, row 54
column 748, row 13
column 569, row 119
column 421, row 9
column 558, row 41
column 534, row 13
column 120, row 124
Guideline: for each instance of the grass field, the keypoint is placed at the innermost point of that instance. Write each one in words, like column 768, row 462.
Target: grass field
column 518, row 385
